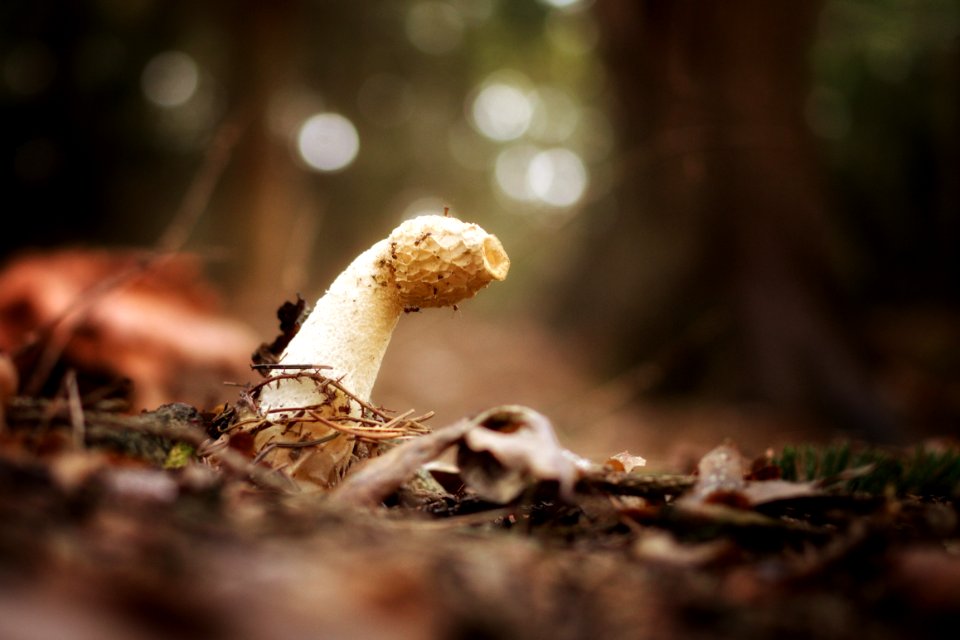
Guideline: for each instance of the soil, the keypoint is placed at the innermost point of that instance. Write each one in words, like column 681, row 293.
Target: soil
column 110, row 528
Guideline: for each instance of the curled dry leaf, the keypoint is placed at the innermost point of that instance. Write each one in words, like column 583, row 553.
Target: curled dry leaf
column 625, row 462
column 500, row 452
column 511, row 447
column 377, row 478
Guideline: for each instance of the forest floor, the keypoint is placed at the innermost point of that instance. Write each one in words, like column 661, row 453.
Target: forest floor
column 111, row 529
column 115, row 524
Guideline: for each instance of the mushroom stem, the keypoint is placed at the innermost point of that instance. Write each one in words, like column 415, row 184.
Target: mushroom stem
column 347, row 332
column 429, row 261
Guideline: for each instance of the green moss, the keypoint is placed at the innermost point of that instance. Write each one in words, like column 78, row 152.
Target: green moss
column 922, row 472
column 180, row 455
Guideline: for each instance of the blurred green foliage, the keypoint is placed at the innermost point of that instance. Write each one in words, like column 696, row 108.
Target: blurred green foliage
column 932, row 473
column 885, row 102
column 90, row 159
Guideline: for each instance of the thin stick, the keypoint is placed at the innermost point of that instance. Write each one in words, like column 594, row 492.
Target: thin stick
column 323, row 381
column 270, row 367
column 75, row 407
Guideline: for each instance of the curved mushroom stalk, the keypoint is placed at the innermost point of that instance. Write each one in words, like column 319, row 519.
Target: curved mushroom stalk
column 429, row 261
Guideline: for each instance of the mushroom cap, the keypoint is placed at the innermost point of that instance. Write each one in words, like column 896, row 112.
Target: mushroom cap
column 438, row 261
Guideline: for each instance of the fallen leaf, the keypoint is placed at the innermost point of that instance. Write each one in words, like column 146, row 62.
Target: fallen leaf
column 625, row 462
column 371, row 482
column 500, row 452
column 160, row 327
column 511, row 447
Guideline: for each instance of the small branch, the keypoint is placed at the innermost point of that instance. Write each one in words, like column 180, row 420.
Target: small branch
column 274, row 366
column 75, row 407
column 293, row 445
column 383, row 426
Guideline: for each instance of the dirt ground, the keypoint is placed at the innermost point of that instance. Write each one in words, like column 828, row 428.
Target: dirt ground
column 112, row 540
column 129, row 525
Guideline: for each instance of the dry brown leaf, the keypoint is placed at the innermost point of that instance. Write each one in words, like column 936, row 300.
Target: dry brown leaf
column 501, row 452
column 625, row 462
column 511, row 447
column 9, row 381
column 160, row 329
column 377, row 478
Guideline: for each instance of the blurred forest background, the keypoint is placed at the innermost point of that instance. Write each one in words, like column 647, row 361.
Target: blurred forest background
column 723, row 216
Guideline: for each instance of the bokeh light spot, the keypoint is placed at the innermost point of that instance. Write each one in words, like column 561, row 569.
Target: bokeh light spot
column 510, row 171
column 328, row 142
column 567, row 5
column 557, row 177
column 502, row 111
column 170, row 79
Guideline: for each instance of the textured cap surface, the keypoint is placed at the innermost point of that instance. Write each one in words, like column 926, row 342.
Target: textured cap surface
column 439, row 261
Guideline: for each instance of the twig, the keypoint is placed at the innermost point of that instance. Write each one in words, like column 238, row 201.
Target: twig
column 386, row 427
column 272, row 366
column 293, row 445
column 645, row 486
column 75, row 407
column 374, row 434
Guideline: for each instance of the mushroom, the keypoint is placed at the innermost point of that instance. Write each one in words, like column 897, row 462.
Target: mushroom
column 305, row 411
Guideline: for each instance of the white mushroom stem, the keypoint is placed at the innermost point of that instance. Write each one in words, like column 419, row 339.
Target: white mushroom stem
column 429, row 261
column 347, row 331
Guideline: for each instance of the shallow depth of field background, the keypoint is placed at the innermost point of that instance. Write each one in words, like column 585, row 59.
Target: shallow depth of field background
column 726, row 219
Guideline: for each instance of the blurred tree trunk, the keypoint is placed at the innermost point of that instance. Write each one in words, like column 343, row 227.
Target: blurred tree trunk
column 720, row 249
column 272, row 201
